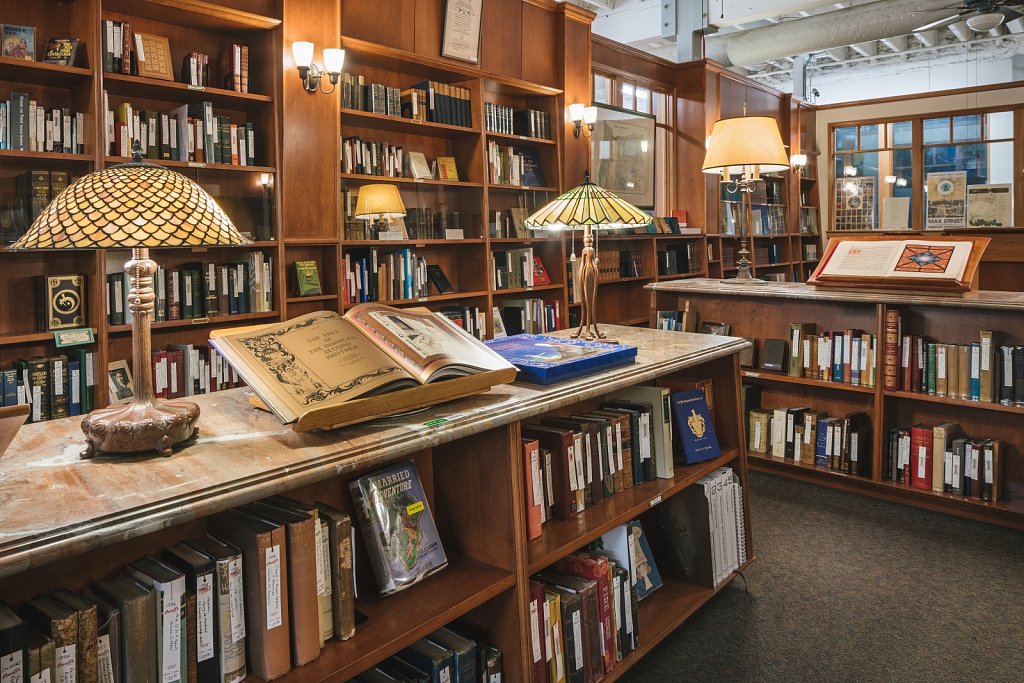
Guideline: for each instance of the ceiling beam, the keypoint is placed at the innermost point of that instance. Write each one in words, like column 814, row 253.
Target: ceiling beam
column 896, row 43
column 868, row 49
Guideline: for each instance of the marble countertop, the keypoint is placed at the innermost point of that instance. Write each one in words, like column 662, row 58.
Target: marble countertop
column 1010, row 301
column 54, row 505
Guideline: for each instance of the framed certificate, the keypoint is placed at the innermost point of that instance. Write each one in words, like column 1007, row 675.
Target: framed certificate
column 460, row 37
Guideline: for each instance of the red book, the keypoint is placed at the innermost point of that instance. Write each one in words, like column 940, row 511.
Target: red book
column 921, row 457
column 538, row 656
column 534, row 487
column 595, row 568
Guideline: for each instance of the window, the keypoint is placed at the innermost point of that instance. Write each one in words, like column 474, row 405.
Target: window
column 602, row 89
column 879, row 156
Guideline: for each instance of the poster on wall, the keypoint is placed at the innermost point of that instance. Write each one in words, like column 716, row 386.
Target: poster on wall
column 989, row 206
column 855, row 204
column 622, row 154
column 947, row 201
column 460, row 37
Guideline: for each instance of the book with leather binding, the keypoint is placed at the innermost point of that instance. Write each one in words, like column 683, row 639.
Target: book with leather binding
column 553, row 637
column 108, row 635
column 137, row 606
column 54, row 619
column 567, row 487
column 228, row 610
column 169, row 585
column 595, row 567
column 538, row 643
column 40, row 657
column 533, row 487
column 13, row 635
column 593, row 662
column 589, row 451
column 571, row 621
column 86, row 655
column 463, row 654
column 340, row 539
column 431, row 658
column 200, row 571
column 661, row 423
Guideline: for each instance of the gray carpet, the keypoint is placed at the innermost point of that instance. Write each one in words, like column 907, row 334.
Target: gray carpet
column 848, row 588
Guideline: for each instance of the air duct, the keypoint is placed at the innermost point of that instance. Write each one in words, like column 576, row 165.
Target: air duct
column 859, row 24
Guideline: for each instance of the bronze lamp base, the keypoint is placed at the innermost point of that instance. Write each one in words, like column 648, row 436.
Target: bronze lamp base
column 139, row 427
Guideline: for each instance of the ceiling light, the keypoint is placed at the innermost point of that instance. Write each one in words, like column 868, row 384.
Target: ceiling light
column 985, row 22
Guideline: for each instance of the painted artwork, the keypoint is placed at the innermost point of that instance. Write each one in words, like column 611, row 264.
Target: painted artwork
column 854, row 204
column 947, row 201
column 989, row 206
column 622, row 154
column 924, row 258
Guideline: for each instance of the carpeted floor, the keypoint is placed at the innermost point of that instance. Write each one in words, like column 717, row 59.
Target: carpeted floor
column 848, row 588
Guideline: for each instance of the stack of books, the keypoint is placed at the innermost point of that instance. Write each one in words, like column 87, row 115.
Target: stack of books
column 812, row 437
column 943, row 459
column 28, row 126
column 509, row 165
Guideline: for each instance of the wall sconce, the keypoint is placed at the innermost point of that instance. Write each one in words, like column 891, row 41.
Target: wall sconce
column 798, row 162
column 581, row 115
column 849, row 171
column 310, row 73
column 890, row 180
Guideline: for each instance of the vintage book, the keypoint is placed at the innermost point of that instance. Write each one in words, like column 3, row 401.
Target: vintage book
column 54, row 619
column 399, row 670
column 40, row 660
column 695, row 427
column 333, row 359
column 464, row 654
column 533, row 475
column 587, row 450
column 439, row 279
column 921, row 443
column 943, row 435
column 137, row 606
column 773, row 354
column 661, row 423
column 14, row 636
column 303, row 602
column 987, row 355
column 446, row 168
column 538, row 643
column 567, row 486
column 265, row 567
column 340, row 540
column 435, row 660
column 553, row 640
column 397, row 527
column 798, row 332
column 991, row 471
column 571, row 625
column 642, row 440
column 595, row 567
column 200, row 572
column 86, row 656
column 169, row 585
column 591, row 642
column 62, row 302
column 228, row 616
column 19, row 42
column 306, row 278
column 759, row 430
column 546, row 360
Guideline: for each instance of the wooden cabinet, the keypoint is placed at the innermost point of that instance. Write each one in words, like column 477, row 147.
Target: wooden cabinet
column 468, row 455
column 766, row 312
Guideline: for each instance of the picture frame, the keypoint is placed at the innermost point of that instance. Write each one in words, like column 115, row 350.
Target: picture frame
column 460, row 34
column 154, row 56
column 119, row 380
column 622, row 154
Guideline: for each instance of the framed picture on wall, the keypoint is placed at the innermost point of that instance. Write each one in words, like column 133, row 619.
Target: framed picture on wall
column 460, row 35
column 622, row 154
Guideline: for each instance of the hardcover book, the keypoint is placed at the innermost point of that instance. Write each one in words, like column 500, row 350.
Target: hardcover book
column 695, row 426
column 62, row 299
column 19, row 42
column 61, row 51
column 322, row 359
column 307, row 279
column 546, row 360
column 397, row 526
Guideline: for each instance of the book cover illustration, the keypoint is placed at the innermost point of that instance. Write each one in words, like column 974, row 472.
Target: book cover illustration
column 644, row 570
column 543, row 360
column 19, row 42
column 695, row 427
column 946, row 200
column 61, row 51
column 397, row 527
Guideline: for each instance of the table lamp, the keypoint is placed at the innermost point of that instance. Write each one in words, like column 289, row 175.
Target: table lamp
column 135, row 205
column 587, row 207
column 745, row 146
column 379, row 202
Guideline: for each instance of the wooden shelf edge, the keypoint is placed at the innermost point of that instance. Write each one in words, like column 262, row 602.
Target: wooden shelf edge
column 45, row 156
column 198, row 322
column 364, row 177
column 787, row 379
column 412, row 125
column 127, row 80
column 195, row 13
column 196, row 165
column 511, row 137
column 959, row 402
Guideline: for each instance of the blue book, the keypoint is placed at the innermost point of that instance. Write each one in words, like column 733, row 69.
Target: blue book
column 545, row 360
column 695, row 427
column 975, row 371
column 74, row 385
column 838, row 344
column 820, row 442
column 9, row 387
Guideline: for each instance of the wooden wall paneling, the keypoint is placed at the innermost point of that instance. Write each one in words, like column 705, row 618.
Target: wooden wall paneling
column 385, row 22
column 502, row 40
column 574, row 61
column 429, row 22
column 616, row 58
column 540, row 38
column 308, row 187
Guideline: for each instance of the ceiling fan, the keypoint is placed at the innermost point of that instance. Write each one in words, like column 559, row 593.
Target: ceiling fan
column 980, row 15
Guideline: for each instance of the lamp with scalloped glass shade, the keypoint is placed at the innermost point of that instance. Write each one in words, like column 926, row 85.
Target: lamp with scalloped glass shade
column 136, row 205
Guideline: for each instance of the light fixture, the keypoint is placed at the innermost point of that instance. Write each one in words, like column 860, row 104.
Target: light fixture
column 890, row 180
column 587, row 207
column 136, row 205
column 901, row 182
column 745, row 146
column 985, row 21
column 378, row 203
column 849, row 171
column 310, row 73
column 582, row 115
column 798, row 162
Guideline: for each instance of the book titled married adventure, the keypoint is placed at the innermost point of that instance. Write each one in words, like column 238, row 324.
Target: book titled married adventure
column 545, row 360
column 695, row 427
column 397, row 527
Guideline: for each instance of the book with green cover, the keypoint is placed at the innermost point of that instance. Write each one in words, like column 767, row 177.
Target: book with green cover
column 307, row 279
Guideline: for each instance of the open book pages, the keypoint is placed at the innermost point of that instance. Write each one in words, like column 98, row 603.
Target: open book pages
column 322, row 359
column 911, row 259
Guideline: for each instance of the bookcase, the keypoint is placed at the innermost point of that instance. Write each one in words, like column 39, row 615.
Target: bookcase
column 951, row 320
column 246, row 192
column 469, row 457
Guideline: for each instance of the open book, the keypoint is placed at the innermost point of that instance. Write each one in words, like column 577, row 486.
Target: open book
column 322, row 359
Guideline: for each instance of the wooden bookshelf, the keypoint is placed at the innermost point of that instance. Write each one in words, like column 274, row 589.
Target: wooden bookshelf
column 943, row 319
column 468, row 456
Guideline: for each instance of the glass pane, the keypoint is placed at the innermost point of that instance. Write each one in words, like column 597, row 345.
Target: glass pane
column 871, row 137
column 967, row 128
column 602, row 89
column 902, row 168
column 999, row 125
column 970, row 158
column 901, row 134
column 1000, row 162
column 643, row 100
column 627, row 96
column 936, row 131
column 846, row 139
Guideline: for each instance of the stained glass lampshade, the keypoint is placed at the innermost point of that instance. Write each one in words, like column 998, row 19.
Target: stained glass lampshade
column 587, row 207
column 136, row 205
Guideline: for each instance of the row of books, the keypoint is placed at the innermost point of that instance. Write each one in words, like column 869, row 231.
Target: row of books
column 34, row 190
column 371, row 158
column 942, row 458
column 375, row 276
column 517, row 269
column 680, row 259
column 847, row 356
column 769, row 253
column 28, row 126
column 510, row 223
column 203, row 289
column 509, row 165
column 375, row 98
column 426, row 101
column 529, row 122
column 445, row 103
column 430, row 224
column 56, row 386
column 767, row 220
column 186, row 370
column 188, row 133
column 670, row 225
column 469, row 318
column 983, row 370
column 529, row 316
column 616, row 264
column 234, row 69
column 812, row 437
column 445, row 655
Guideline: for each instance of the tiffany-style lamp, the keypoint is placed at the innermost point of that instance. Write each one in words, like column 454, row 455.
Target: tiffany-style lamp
column 136, row 205
column 587, row 207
